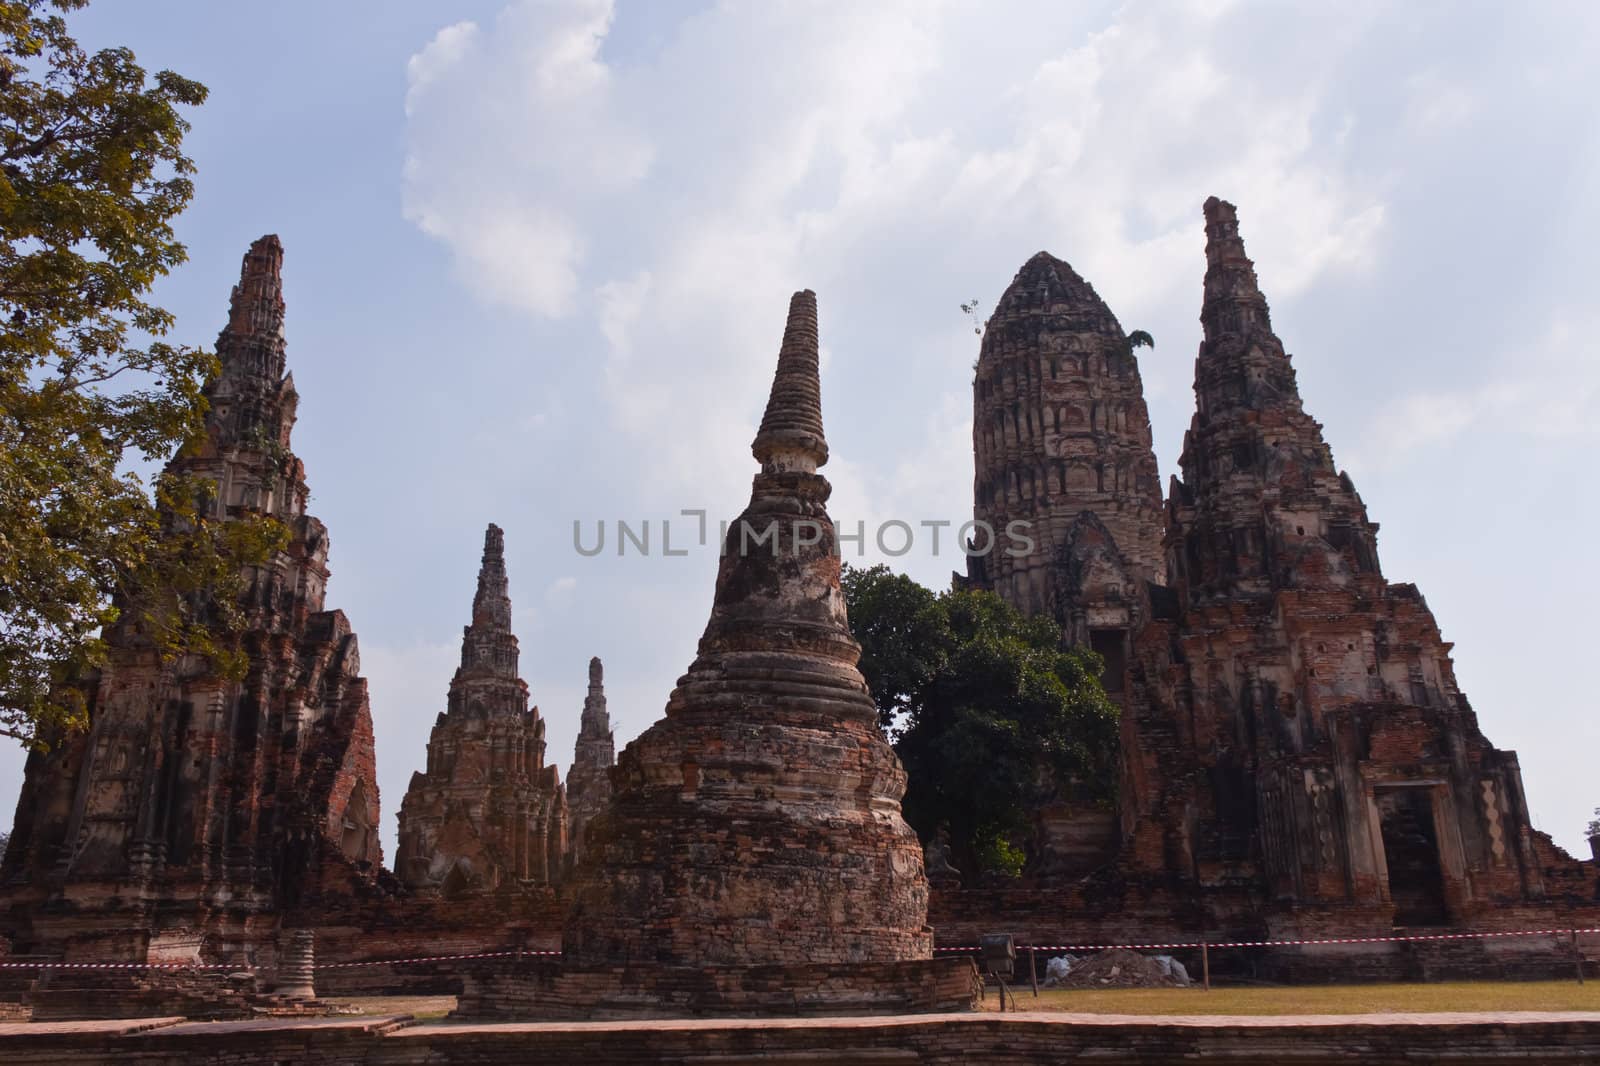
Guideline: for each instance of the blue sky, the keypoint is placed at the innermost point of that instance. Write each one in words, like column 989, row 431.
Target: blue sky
column 538, row 256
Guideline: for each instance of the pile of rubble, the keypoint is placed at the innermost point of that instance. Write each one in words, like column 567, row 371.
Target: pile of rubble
column 1115, row 968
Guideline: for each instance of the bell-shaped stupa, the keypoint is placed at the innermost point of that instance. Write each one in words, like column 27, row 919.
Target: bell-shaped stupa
column 759, row 822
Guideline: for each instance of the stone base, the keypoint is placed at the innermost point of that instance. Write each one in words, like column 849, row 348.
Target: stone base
column 77, row 995
column 552, row 991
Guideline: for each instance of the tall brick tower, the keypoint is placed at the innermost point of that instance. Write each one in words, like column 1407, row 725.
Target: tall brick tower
column 1064, row 461
column 487, row 814
column 1061, row 437
column 1261, row 505
column 594, row 753
column 1310, row 737
column 199, row 812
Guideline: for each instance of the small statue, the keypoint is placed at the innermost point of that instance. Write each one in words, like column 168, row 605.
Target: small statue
column 936, row 858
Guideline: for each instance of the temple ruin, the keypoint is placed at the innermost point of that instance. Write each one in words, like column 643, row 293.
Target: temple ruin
column 1321, row 741
column 487, row 814
column 1062, row 442
column 1297, row 758
column 198, row 816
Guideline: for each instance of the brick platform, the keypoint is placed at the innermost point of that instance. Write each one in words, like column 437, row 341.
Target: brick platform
column 553, row 991
column 932, row 1039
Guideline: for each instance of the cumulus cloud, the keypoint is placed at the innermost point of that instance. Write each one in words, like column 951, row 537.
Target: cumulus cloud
column 892, row 156
column 514, row 133
column 651, row 201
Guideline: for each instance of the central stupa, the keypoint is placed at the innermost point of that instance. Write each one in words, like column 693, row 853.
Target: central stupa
column 759, row 822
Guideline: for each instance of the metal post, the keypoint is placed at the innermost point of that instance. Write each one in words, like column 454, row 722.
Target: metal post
column 1577, row 956
column 1205, row 964
column 1033, row 968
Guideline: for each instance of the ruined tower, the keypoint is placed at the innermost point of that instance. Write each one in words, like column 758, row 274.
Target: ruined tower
column 1061, row 438
column 199, row 812
column 487, row 814
column 589, row 781
column 1065, row 469
column 1309, row 736
column 759, row 822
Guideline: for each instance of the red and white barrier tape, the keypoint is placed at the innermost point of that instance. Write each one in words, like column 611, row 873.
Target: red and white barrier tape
column 432, row 958
column 191, row 966
column 1288, row 943
column 195, row 967
column 206, row 968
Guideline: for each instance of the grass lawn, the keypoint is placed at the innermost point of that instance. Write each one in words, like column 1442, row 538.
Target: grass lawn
column 1316, row 999
column 424, row 1008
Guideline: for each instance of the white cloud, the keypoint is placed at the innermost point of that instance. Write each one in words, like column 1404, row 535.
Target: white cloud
column 901, row 157
column 447, row 49
column 1549, row 392
column 1435, row 104
column 852, row 149
column 513, row 130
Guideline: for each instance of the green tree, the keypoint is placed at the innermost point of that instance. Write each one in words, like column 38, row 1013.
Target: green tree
column 904, row 635
column 92, row 174
column 989, row 714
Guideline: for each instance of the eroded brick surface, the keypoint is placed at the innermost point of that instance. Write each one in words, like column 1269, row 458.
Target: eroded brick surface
column 758, row 824
column 594, row 754
column 199, row 815
column 486, row 814
column 1297, row 757
column 759, row 821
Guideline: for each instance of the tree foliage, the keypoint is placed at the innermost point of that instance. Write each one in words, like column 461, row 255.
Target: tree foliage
column 989, row 714
column 92, row 175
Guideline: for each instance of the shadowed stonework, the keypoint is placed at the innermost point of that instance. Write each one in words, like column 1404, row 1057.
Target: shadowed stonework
column 593, row 756
column 1324, row 751
column 1061, row 441
column 199, row 814
column 1297, row 759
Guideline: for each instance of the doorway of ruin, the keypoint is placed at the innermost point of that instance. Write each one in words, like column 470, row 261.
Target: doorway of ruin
column 1112, row 646
column 1411, row 851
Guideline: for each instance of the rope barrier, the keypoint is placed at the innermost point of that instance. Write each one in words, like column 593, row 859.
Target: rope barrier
column 430, row 958
column 191, row 967
column 1289, row 943
column 413, row 960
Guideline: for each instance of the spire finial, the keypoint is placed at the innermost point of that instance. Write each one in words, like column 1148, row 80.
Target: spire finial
column 492, row 604
column 791, row 435
column 255, row 309
column 1233, row 299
